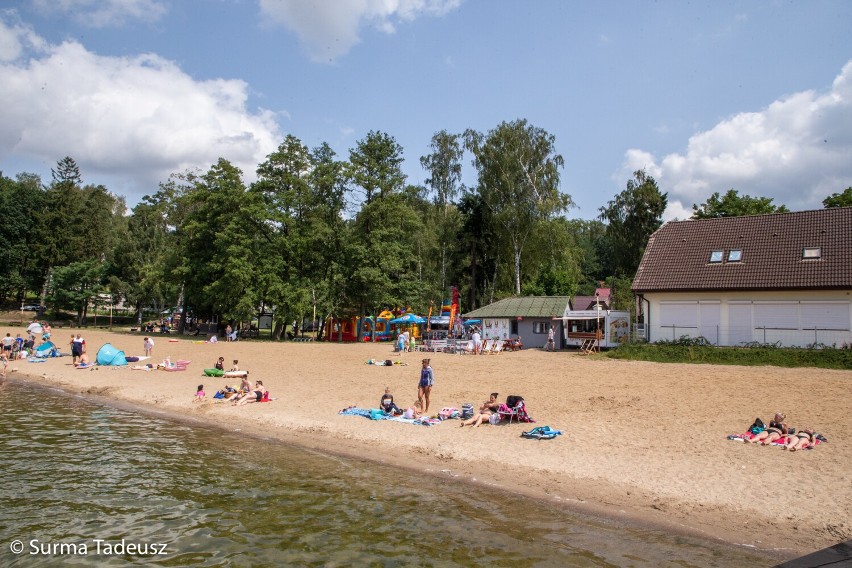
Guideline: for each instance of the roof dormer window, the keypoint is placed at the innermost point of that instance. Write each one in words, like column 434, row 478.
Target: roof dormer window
column 811, row 253
column 735, row 255
column 716, row 256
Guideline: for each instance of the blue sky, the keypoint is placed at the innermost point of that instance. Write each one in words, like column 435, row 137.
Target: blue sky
column 706, row 96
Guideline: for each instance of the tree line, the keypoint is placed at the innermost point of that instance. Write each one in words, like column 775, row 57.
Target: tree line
column 319, row 235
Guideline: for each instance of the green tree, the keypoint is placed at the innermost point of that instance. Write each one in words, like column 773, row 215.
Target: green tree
column 75, row 285
column 842, row 199
column 518, row 174
column 219, row 246
column 136, row 270
column 381, row 260
column 631, row 218
column 444, row 167
column 734, row 205
column 21, row 202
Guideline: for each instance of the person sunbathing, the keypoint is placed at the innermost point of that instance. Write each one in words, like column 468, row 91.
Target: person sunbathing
column 253, row 396
column 804, row 438
column 488, row 408
column 776, row 429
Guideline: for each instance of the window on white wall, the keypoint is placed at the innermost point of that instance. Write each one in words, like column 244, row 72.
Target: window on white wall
column 679, row 314
column 824, row 315
column 776, row 315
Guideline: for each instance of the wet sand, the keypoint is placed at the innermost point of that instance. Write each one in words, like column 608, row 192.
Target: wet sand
column 643, row 442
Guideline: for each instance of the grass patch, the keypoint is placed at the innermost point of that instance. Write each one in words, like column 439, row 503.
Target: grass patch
column 697, row 350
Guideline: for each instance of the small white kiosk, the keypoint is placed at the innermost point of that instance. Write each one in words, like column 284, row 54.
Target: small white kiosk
column 611, row 326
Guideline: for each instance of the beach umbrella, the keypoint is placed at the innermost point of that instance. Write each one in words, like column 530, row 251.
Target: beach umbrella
column 408, row 319
column 471, row 322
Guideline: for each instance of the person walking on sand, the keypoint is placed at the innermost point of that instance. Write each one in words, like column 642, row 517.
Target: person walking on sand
column 424, row 387
column 148, row 344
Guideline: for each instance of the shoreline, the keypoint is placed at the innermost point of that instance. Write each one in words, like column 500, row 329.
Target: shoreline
column 592, row 470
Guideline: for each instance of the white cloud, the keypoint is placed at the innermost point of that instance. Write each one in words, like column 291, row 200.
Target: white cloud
column 104, row 13
column 795, row 151
column 132, row 119
column 328, row 29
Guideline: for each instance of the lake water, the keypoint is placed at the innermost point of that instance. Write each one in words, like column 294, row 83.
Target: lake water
column 87, row 484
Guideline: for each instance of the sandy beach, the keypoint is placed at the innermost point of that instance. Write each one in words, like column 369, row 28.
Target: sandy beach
column 643, row 442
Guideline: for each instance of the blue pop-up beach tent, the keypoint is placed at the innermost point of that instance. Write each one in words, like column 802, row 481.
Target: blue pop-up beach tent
column 46, row 349
column 109, row 355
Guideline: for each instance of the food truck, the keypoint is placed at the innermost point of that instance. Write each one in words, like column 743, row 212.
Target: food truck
column 611, row 327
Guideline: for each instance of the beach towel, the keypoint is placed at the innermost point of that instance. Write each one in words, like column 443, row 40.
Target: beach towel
column 368, row 413
column 780, row 442
column 541, row 433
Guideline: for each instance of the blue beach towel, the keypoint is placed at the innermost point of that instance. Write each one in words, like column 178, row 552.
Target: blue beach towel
column 541, row 433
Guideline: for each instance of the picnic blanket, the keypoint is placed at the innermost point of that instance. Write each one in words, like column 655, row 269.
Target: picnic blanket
column 378, row 414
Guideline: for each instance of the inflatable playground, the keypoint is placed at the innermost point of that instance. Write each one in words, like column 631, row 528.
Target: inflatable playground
column 347, row 329
column 387, row 325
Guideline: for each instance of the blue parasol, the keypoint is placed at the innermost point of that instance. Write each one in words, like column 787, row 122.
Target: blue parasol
column 408, row 318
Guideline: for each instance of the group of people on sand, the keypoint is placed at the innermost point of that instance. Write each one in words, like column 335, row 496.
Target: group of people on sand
column 420, row 407
column 244, row 394
column 779, row 432
column 405, row 342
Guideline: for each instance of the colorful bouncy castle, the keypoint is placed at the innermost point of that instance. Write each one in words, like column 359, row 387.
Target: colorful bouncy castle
column 347, row 329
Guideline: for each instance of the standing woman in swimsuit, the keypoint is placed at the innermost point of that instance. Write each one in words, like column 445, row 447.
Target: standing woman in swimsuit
column 424, row 387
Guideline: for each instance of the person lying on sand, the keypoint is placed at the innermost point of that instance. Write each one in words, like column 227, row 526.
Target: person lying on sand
column 777, row 428
column 254, row 396
column 83, row 361
column 804, row 438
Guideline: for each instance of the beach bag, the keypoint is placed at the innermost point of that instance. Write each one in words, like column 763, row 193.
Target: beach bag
column 467, row 410
column 757, row 427
column 494, row 418
column 447, row 412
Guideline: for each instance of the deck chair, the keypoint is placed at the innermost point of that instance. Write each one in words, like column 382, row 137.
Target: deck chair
column 517, row 412
column 465, row 347
column 588, row 347
column 489, row 345
column 498, row 347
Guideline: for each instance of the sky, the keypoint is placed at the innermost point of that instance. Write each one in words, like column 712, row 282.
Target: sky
column 704, row 96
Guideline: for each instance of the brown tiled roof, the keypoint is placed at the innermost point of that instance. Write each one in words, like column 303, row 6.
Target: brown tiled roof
column 677, row 257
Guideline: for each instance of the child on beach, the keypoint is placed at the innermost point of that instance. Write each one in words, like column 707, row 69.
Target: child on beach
column 199, row 396
column 220, row 364
column 148, row 344
column 414, row 411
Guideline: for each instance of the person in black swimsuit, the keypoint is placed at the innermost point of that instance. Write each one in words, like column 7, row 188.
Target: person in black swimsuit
column 776, row 429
